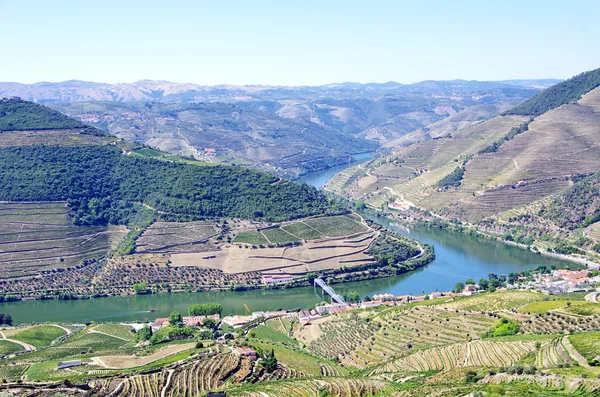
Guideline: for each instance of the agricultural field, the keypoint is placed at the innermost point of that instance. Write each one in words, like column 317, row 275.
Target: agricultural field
column 116, row 330
column 39, row 336
column 588, row 344
column 7, row 347
column 300, row 363
column 59, row 137
column 419, row 349
column 35, row 237
column 470, row 354
column 555, row 322
column 336, row 226
column 175, row 237
column 311, row 256
column 123, row 362
column 494, row 301
column 278, row 236
column 251, row 237
column 339, row 387
column 544, row 306
column 402, row 331
column 301, row 230
column 202, row 375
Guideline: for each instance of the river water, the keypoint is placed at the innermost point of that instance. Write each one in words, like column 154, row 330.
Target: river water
column 458, row 257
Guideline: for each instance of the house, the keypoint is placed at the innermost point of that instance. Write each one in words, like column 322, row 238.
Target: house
column 69, row 364
column 399, row 206
column 158, row 323
column 210, row 151
column 384, row 297
column 237, row 321
column 331, row 308
column 435, row 295
column 305, row 316
column 270, row 280
column 366, row 305
column 243, row 351
column 195, row 321
column 190, row 321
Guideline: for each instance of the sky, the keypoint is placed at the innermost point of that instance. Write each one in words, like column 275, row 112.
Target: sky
column 296, row 42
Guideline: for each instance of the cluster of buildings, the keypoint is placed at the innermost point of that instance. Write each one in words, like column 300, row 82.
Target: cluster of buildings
column 557, row 282
column 240, row 321
column 190, row 321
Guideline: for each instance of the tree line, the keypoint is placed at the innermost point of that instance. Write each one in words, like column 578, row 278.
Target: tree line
column 104, row 186
column 559, row 94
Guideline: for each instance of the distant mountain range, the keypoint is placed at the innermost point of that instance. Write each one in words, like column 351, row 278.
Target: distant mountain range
column 287, row 131
column 157, row 90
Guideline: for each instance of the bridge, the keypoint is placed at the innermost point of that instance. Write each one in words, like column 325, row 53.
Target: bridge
column 327, row 289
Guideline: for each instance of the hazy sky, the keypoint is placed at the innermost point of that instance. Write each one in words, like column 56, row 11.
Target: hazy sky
column 296, row 42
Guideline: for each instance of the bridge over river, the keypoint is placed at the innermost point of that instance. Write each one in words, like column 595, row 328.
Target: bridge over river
column 326, row 288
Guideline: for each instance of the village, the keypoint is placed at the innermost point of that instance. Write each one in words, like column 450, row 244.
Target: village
column 551, row 283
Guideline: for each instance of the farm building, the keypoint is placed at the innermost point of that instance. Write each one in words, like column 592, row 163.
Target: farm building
column 332, row 308
column 270, row 280
column 191, row 321
column 237, row 321
column 69, row 364
column 366, row 305
column 384, row 297
column 243, row 351
column 305, row 316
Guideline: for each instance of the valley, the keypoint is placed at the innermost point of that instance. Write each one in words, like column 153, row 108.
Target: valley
column 507, row 177
column 286, row 131
column 285, row 199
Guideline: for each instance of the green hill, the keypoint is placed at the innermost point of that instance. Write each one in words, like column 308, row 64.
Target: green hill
column 103, row 184
column 17, row 115
column 559, row 94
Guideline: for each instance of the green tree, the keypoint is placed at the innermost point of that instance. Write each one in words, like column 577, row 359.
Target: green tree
column 175, row 319
column 140, row 288
column 484, row 284
column 205, row 309
column 209, row 323
column 459, row 287
column 270, row 361
column 145, row 333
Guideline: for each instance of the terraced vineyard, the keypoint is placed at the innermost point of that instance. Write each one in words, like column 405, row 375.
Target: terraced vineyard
column 142, row 385
column 553, row 354
column 40, row 236
column 493, row 301
column 341, row 337
column 336, row 226
column 555, row 322
column 401, row 331
column 339, row 387
column 469, row 354
column 172, row 237
column 202, row 375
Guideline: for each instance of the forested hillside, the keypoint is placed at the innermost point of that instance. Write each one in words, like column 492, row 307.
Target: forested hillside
column 559, row 94
column 101, row 183
column 16, row 115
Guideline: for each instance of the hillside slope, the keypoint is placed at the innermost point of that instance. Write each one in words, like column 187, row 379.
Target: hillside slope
column 519, row 173
column 286, row 131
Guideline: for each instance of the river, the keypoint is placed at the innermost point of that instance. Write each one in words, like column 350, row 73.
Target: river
column 458, row 257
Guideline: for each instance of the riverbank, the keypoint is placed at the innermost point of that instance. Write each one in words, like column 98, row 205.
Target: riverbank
column 375, row 252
